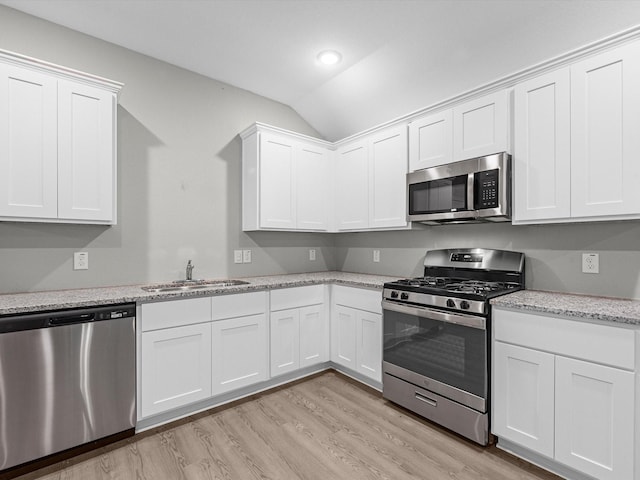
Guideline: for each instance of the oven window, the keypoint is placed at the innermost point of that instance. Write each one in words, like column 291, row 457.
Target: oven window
column 452, row 354
column 436, row 196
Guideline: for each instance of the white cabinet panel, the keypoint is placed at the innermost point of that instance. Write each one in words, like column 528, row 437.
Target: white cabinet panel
column 240, row 352
column 86, row 153
column 388, row 178
column 369, row 348
column 28, row 143
column 431, row 140
column 542, row 150
column 594, row 419
column 277, row 182
column 523, row 397
column 344, row 330
column 352, row 187
column 605, row 121
column 285, row 341
column 175, row 313
column 313, row 202
column 314, row 336
column 176, row 367
column 480, row 126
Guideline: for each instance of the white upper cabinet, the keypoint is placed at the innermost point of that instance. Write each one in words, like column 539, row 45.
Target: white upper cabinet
column 576, row 141
column 431, row 140
column 285, row 181
column 542, row 149
column 605, row 144
column 58, row 143
column 371, row 184
column 481, row 126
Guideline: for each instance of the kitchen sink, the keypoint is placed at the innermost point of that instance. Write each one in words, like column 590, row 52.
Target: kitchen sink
column 188, row 285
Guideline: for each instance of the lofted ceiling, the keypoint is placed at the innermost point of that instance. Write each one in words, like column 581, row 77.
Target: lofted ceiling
column 398, row 55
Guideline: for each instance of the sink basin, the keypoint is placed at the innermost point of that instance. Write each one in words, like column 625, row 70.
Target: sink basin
column 188, row 285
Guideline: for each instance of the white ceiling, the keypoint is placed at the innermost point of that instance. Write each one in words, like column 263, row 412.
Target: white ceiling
column 398, row 55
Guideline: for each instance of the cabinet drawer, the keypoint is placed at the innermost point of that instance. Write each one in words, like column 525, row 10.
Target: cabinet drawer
column 295, row 297
column 238, row 305
column 175, row 313
column 360, row 298
column 608, row 345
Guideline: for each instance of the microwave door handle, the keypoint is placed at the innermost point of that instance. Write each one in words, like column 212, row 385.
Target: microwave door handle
column 471, row 201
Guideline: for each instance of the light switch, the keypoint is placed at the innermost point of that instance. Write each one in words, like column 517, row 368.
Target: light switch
column 312, row 254
column 246, row 256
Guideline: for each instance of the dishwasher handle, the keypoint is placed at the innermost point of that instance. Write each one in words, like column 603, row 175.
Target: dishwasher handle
column 71, row 319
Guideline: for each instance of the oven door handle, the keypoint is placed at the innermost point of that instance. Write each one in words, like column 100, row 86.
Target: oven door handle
column 447, row 317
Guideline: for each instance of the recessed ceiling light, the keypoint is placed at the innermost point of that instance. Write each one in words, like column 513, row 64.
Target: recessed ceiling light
column 329, row 57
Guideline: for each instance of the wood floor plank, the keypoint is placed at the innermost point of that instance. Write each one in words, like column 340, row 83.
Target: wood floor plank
column 323, row 428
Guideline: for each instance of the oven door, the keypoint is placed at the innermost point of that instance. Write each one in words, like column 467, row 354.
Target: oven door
column 443, row 352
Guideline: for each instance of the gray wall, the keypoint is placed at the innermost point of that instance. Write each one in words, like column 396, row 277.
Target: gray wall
column 179, row 177
column 179, row 195
column 553, row 253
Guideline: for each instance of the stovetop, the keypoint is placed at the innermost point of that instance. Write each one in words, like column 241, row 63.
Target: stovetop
column 454, row 285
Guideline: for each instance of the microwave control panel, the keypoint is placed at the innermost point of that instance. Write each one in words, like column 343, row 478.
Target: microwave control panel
column 486, row 193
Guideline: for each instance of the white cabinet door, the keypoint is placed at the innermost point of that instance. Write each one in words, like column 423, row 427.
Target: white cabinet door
column 314, row 336
column 542, row 150
column 175, row 367
column 431, row 140
column 369, row 344
column 28, row 143
column 480, row 127
column 277, row 182
column 312, row 173
column 352, row 187
column 86, row 153
column 344, row 330
column 240, row 349
column 523, row 397
column 595, row 419
column 285, row 341
column 388, row 178
column 605, row 121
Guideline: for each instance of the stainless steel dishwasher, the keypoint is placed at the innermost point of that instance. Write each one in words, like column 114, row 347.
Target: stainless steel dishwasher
column 67, row 377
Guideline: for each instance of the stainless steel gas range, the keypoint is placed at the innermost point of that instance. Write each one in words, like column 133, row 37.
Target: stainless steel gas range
column 437, row 336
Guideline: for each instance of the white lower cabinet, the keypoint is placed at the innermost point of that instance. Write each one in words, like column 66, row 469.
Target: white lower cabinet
column 175, row 354
column 356, row 330
column 299, row 328
column 557, row 396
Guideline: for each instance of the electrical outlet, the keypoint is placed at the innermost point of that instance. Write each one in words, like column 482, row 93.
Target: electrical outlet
column 376, row 256
column 590, row 263
column 237, row 256
column 81, row 261
column 246, row 256
column 312, row 255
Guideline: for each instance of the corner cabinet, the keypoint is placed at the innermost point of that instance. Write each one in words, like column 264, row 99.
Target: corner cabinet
column 356, row 331
column 562, row 404
column 371, row 183
column 57, row 143
column 285, row 181
column 576, row 143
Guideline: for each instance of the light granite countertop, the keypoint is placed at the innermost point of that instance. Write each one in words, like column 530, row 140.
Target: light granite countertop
column 606, row 309
column 16, row 303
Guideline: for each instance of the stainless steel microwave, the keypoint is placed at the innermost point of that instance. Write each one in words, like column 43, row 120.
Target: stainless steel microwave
column 478, row 189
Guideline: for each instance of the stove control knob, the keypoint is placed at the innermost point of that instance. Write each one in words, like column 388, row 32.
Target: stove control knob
column 394, row 294
column 464, row 305
column 451, row 303
column 404, row 296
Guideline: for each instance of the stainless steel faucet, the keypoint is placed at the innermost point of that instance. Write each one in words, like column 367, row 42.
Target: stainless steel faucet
column 189, row 270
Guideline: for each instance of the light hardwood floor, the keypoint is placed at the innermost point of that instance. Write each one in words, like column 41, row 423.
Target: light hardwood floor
column 324, row 427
